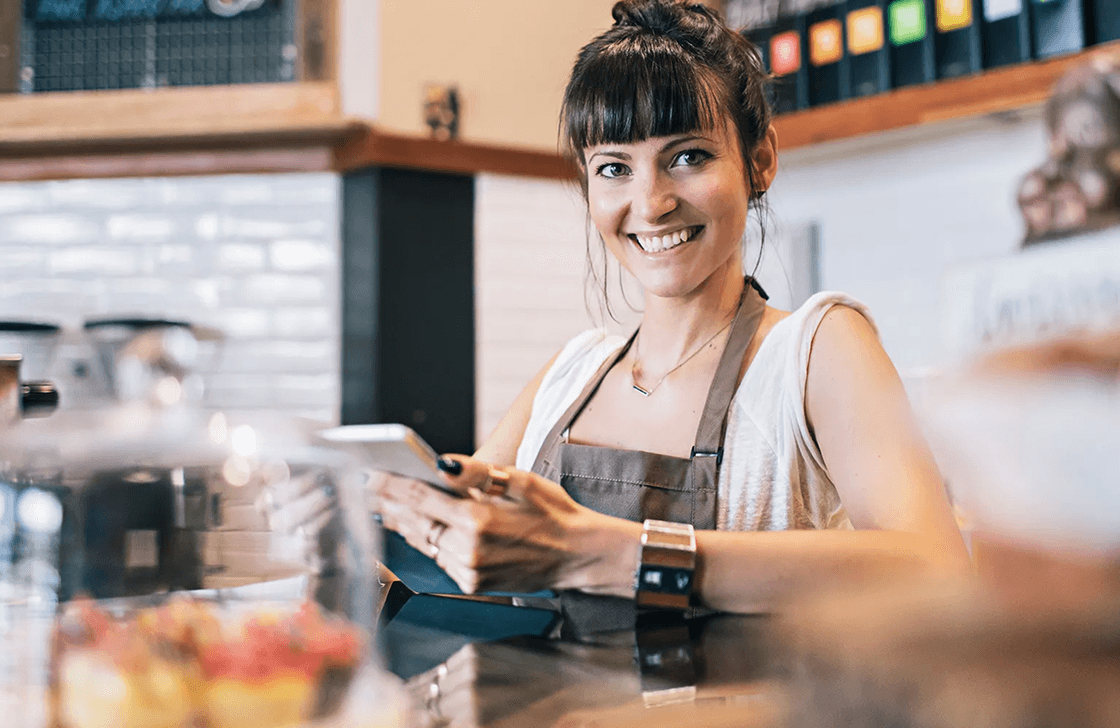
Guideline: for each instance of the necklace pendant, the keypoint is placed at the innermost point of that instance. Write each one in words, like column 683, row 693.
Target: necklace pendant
column 639, row 390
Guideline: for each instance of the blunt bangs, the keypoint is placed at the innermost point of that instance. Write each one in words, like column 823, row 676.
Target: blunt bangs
column 636, row 89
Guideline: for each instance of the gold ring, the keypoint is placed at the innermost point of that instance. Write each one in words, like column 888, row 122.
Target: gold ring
column 434, row 535
column 498, row 482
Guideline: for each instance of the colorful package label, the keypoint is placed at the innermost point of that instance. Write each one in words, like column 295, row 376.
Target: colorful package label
column 826, row 42
column 907, row 19
column 1001, row 9
column 785, row 53
column 953, row 15
column 865, row 30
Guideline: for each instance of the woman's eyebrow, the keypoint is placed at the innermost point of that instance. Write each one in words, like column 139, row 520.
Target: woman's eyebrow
column 683, row 140
column 610, row 153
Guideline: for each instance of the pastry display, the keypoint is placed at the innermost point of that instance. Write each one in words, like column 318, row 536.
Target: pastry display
column 195, row 664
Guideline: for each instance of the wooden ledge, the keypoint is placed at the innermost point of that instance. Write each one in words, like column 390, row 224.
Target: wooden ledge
column 172, row 131
column 994, row 91
column 136, row 118
column 291, row 127
column 379, row 149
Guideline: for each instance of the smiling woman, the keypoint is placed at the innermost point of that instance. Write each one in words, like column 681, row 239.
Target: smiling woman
column 726, row 454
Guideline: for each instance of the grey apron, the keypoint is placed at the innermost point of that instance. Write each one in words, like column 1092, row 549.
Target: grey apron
column 637, row 485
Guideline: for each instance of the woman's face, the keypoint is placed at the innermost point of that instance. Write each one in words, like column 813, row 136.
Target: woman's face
column 673, row 209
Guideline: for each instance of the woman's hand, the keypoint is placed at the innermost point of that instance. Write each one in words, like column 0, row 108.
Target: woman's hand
column 516, row 533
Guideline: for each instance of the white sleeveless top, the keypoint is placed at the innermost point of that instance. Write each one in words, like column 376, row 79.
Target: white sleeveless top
column 773, row 476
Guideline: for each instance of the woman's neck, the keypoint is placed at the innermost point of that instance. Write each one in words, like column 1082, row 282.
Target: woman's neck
column 672, row 328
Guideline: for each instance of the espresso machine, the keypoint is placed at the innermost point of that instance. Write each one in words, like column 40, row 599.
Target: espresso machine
column 151, row 494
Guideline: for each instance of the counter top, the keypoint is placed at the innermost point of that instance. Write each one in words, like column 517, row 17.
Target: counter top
column 1033, row 643
column 706, row 672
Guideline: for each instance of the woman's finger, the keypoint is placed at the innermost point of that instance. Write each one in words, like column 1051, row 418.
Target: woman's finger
column 472, row 474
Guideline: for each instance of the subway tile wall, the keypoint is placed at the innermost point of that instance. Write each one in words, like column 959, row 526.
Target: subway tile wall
column 253, row 255
column 531, row 245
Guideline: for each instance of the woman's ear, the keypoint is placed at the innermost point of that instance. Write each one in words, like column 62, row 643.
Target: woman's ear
column 766, row 161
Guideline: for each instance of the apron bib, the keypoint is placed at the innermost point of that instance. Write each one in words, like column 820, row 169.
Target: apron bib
column 637, row 485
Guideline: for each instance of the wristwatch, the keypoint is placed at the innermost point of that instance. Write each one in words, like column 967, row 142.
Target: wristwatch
column 666, row 565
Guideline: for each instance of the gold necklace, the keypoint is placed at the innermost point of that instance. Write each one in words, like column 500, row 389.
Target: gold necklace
column 637, row 353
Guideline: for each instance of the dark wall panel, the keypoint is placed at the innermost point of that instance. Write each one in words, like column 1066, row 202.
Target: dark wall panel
column 408, row 244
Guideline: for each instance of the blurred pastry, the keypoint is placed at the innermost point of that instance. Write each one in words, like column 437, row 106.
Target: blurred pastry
column 186, row 663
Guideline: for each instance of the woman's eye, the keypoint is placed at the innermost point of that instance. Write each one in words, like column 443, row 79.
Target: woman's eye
column 611, row 170
column 691, row 158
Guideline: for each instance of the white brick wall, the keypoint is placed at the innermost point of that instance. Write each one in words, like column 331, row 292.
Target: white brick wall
column 254, row 255
column 895, row 212
column 530, row 245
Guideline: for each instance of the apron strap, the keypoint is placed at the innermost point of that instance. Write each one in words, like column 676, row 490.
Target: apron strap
column 713, row 420
column 547, row 463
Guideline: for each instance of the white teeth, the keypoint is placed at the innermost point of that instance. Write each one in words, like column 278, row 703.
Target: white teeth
column 658, row 243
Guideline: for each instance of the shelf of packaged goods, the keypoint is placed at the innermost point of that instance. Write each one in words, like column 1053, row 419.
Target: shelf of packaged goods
column 993, row 91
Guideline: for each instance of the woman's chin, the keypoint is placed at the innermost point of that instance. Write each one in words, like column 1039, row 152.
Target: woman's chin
column 668, row 284
column 680, row 281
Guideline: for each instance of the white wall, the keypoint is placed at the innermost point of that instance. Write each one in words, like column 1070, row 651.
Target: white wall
column 895, row 212
column 359, row 57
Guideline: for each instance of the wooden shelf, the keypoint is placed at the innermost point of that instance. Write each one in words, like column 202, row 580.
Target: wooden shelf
column 190, row 130
column 378, row 149
column 95, row 120
column 293, row 127
column 999, row 90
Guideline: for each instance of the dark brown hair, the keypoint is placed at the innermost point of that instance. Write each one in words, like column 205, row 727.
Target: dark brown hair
column 665, row 67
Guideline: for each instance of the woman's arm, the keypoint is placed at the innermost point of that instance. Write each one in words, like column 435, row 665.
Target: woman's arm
column 882, row 469
column 501, row 446
column 869, row 437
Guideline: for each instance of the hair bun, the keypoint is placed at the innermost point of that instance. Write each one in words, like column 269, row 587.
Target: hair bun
column 660, row 16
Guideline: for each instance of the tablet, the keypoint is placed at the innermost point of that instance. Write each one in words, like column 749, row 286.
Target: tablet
column 392, row 448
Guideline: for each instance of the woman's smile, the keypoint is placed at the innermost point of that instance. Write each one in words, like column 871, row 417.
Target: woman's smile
column 660, row 242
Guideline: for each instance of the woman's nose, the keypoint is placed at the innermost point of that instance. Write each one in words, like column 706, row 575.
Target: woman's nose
column 654, row 198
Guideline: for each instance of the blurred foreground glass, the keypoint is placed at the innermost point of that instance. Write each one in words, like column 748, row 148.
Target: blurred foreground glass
column 145, row 580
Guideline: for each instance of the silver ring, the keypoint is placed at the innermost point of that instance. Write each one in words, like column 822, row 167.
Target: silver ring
column 434, row 535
